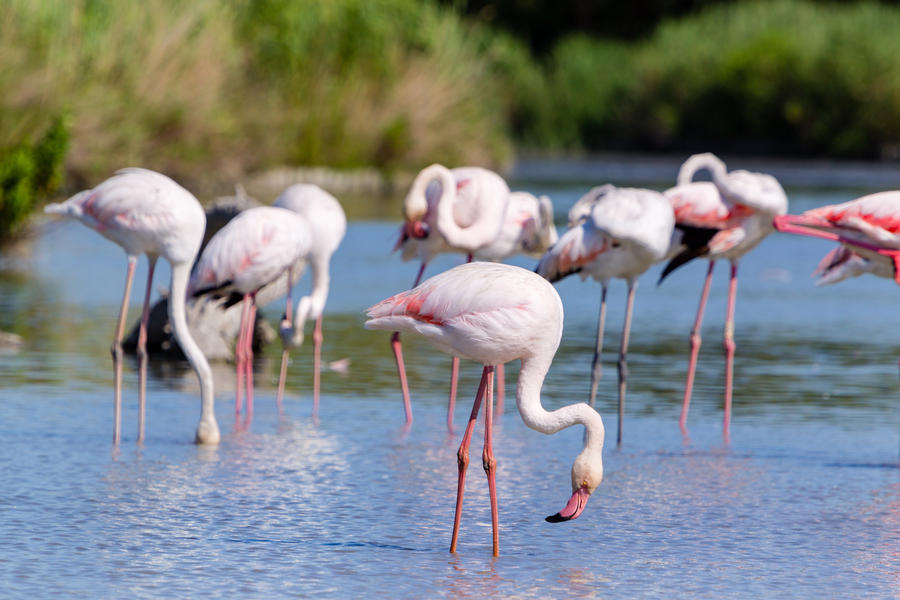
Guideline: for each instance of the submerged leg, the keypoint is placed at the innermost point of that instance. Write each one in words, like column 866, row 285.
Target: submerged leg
column 240, row 356
column 287, row 321
column 397, row 347
column 729, row 345
column 116, row 351
column 623, row 352
column 695, row 348
column 317, row 359
column 142, row 350
column 488, row 461
column 462, row 456
column 596, row 364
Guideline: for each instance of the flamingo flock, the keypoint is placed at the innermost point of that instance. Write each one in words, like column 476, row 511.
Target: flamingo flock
column 482, row 310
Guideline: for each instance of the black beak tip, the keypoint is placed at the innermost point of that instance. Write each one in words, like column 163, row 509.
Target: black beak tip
column 557, row 518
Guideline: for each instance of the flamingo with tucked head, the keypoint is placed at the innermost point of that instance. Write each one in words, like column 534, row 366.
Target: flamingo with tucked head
column 492, row 314
column 614, row 233
column 723, row 219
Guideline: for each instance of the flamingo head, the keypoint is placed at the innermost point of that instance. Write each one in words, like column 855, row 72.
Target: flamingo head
column 587, row 473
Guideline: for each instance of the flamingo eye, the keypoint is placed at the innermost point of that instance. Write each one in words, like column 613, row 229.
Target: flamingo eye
column 616, row 244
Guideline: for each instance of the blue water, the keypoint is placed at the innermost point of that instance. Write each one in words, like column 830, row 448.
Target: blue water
column 803, row 502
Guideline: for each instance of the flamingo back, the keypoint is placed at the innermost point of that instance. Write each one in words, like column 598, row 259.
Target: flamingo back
column 253, row 249
column 143, row 212
column 875, row 216
column 487, row 312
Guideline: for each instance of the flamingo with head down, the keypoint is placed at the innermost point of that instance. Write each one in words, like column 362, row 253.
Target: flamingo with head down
column 723, row 219
column 145, row 212
column 492, row 314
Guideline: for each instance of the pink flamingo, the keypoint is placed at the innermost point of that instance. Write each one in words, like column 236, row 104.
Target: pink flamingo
column 255, row 248
column 724, row 219
column 145, row 212
column 447, row 210
column 867, row 228
column 327, row 225
column 614, row 232
column 494, row 313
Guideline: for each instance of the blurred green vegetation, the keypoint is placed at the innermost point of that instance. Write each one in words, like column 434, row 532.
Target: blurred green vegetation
column 209, row 91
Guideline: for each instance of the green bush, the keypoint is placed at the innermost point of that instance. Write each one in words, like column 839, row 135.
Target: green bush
column 29, row 173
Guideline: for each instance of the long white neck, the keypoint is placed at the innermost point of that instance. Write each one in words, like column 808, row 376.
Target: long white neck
column 311, row 306
column 528, row 399
column 698, row 162
column 483, row 229
column 208, row 429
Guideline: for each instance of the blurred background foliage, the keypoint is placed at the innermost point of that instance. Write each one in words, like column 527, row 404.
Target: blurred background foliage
column 209, row 91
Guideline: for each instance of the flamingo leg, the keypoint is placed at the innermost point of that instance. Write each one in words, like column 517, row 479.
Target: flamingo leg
column 462, row 456
column 696, row 340
column 317, row 359
column 501, row 391
column 729, row 346
column 142, row 350
column 248, row 352
column 282, row 376
column 451, row 403
column 623, row 352
column 239, row 356
column 397, row 347
column 116, row 351
column 488, row 461
column 596, row 364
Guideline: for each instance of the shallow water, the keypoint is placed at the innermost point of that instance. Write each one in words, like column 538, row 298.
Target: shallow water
column 804, row 500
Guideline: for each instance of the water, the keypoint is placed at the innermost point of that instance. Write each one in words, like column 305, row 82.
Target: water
column 802, row 502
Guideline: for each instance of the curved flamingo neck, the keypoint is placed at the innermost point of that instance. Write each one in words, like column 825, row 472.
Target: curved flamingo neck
column 208, row 429
column 528, row 399
column 415, row 205
column 707, row 161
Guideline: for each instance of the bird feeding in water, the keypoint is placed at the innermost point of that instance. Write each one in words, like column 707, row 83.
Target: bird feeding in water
column 492, row 314
column 145, row 212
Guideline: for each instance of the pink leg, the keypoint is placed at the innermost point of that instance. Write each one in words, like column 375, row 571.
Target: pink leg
column 501, row 391
column 116, row 351
column 729, row 346
column 488, row 461
column 622, row 364
column 142, row 351
column 248, row 352
column 284, row 353
column 462, row 456
column 240, row 357
column 317, row 359
column 401, row 368
column 596, row 365
column 451, row 404
column 695, row 349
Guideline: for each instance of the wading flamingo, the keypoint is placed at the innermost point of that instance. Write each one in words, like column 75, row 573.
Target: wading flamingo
column 624, row 232
column 492, row 314
column 145, row 212
column 255, row 248
column 724, row 219
column 447, row 210
column 327, row 225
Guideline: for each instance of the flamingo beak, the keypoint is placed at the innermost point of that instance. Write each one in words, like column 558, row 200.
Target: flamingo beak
column 573, row 508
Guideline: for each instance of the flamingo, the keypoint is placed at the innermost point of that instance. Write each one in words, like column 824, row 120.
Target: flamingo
column 145, row 212
column 447, row 210
column 867, row 228
column 255, row 248
column 327, row 224
column 494, row 313
column 614, row 232
column 724, row 219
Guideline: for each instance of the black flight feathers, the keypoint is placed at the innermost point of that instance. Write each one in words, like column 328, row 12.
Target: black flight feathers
column 696, row 244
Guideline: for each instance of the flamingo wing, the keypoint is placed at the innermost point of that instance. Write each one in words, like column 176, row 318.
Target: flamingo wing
column 875, row 216
column 576, row 248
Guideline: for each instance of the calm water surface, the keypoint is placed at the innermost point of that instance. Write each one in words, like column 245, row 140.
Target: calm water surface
column 803, row 502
